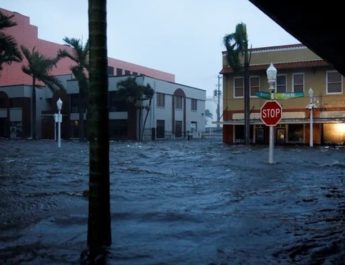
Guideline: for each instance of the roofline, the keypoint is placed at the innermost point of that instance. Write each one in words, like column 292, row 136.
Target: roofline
column 295, row 46
column 281, row 66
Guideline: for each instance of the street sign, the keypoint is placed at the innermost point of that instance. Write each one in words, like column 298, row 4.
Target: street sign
column 288, row 95
column 271, row 112
column 263, row 94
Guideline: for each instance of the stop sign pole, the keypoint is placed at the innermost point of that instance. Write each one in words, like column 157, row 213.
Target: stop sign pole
column 271, row 114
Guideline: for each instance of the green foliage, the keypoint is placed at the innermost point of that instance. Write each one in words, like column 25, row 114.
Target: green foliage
column 132, row 92
column 236, row 45
column 39, row 67
column 9, row 51
column 208, row 114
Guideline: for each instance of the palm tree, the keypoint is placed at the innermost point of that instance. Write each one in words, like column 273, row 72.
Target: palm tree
column 135, row 94
column 238, row 57
column 38, row 68
column 99, row 223
column 9, row 51
column 79, row 55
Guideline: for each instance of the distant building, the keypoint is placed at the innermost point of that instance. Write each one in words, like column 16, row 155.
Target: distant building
column 176, row 111
column 211, row 106
column 299, row 69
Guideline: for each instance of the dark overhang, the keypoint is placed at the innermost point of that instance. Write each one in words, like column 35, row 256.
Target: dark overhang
column 316, row 24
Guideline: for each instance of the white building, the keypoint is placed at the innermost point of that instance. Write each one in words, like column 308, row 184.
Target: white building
column 176, row 111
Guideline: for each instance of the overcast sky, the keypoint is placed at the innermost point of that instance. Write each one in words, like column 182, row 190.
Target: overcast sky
column 182, row 37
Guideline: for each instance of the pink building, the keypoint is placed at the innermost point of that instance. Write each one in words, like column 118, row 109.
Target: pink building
column 15, row 86
column 27, row 35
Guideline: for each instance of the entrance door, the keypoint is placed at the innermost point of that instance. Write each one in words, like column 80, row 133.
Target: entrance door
column 280, row 135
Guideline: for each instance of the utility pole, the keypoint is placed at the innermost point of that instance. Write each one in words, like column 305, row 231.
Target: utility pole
column 218, row 93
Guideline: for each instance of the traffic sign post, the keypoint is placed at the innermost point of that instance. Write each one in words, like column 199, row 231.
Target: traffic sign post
column 270, row 114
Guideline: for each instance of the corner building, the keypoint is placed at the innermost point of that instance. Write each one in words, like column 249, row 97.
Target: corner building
column 299, row 69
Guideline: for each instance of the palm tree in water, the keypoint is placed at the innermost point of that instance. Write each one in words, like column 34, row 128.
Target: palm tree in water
column 80, row 56
column 99, row 221
column 38, row 67
column 238, row 57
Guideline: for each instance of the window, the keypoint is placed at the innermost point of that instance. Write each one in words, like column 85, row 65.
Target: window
column 74, row 103
column 118, row 71
column 160, row 128
column 334, row 82
column 298, row 82
column 160, row 100
column 194, row 104
column 115, row 104
column 127, row 72
column 238, row 87
column 254, row 83
column 295, row 133
column 281, row 83
column 178, row 102
column 110, row 70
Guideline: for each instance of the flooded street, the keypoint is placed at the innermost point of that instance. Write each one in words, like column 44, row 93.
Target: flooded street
column 184, row 202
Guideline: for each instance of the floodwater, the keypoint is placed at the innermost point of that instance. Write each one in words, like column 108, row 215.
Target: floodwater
column 185, row 202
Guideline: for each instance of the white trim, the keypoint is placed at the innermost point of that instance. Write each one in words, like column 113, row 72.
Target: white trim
column 341, row 83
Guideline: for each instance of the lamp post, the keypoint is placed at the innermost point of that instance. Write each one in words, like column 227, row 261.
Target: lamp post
column 271, row 73
column 311, row 106
column 59, row 120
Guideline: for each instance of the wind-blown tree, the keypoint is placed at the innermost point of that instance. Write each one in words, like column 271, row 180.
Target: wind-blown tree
column 79, row 55
column 99, row 223
column 9, row 51
column 238, row 57
column 38, row 67
column 135, row 95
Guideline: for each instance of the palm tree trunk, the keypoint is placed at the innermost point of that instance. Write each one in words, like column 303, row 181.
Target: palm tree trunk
column 246, row 95
column 81, row 115
column 246, row 106
column 145, row 119
column 33, row 124
column 99, row 224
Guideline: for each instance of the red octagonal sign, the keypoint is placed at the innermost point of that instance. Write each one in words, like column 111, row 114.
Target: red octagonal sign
column 271, row 112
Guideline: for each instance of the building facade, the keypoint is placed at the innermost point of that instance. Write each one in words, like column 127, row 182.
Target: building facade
column 299, row 72
column 176, row 110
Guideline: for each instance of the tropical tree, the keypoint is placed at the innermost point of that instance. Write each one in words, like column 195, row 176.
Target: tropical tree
column 99, row 223
column 238, row 57
column 9, row 51
column 208, row 114
column 79, row 55
column 135, row 95
column 38, row 67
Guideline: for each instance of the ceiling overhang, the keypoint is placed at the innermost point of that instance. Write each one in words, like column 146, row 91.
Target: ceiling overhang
column 318, row 25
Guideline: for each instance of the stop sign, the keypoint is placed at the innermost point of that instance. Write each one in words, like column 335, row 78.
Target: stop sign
column 271, row 112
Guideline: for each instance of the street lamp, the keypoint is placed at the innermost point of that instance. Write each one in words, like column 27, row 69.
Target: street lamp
column 59, row 120
column 310, row 107
column 271, row 73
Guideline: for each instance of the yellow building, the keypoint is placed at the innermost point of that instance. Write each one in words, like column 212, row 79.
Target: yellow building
column 300, row 71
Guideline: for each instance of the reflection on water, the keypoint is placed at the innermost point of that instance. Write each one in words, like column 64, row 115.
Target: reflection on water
column 195, row 202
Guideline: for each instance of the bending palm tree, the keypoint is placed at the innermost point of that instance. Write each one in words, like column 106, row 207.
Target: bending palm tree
column 79, row 55
column 9, row 51
column 238, row 57
column 38, row 68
